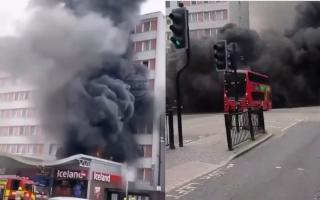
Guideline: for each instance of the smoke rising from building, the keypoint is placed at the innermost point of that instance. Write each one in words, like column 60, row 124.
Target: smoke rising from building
column 289, row 59
column 93, row 97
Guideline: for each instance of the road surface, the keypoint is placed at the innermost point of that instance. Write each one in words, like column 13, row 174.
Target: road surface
column 286, row 167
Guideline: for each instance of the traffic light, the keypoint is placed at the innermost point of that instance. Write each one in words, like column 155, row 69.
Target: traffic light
column 179, row 27
column 220, row 55
column 233, row 56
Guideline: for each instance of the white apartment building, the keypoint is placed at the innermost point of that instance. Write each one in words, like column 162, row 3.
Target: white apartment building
column 207, row 17
column 149, row 47
column 20, row 129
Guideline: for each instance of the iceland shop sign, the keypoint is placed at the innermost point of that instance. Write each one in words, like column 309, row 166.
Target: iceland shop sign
column 71, row 174
column 99, row 176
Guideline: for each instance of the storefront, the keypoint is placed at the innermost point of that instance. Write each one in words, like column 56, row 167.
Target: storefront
column 76, row 176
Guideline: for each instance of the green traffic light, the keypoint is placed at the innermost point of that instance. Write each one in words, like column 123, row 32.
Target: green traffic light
column 178, row 44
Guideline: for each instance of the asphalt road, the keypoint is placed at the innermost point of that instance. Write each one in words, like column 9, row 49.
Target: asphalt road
column 284, row 168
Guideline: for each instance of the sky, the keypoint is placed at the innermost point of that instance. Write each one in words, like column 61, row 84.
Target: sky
column 153, row 6
column 12, row 11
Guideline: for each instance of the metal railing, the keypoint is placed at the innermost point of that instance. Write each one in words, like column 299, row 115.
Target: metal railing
column 243, row 126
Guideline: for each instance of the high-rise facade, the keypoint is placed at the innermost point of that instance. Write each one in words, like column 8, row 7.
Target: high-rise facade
column 149, row 47
column 207, row 17
column 20, row 129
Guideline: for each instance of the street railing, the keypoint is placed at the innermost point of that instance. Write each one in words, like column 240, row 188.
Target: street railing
column 243, row 126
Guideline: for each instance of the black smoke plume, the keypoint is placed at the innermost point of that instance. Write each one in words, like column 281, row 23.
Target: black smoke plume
column 290, row 59
column 93, row 98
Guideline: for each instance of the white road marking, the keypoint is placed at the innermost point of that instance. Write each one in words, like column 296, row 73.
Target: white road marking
column 184, row 190
column 230, row 165
column 300, row 169
column 278, row 167
column 291, row 125
column 274, row 126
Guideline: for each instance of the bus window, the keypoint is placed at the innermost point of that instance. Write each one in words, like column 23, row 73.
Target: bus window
column 230, row 85
column 257, row 96
column 258, row 79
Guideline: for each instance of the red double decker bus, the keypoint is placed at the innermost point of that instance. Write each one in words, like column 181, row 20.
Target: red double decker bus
column 254, row 91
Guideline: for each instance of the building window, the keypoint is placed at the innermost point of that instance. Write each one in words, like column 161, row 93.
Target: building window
column 200, row 17
column 193, row 3
column 15, row 96
column 148, row 151
column 144, row 174
column 153, row 44
column 193, row 17
column 154, row 25
column 212, row 15
column 206, row 16
column 138, row 46
column 167, row 4
column 225, row 14
column 146, row 45
column 146, row 63
column 219, row 15
column 139, row 28
column 146, row 26
column 152, row 64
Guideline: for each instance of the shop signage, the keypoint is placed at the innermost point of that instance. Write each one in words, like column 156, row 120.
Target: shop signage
column 71, row 174
column 84, row 163
column 107, row 178
column 98, row 176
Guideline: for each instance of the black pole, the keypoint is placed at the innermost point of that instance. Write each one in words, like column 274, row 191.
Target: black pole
column 250, row 124
column 171, row 129
column 179, row 109
column 236, row 97
column 228, row 130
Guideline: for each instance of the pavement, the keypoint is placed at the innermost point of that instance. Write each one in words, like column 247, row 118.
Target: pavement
column 205, row 150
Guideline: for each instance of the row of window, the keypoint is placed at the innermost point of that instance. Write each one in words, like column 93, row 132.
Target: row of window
column 150, row 64
column 189, row 3
column 147, row 150
column 19, row 113
column 20, row 131
column 215, row 15
column 146, row 45
column 10, row 81
column 145, row 128
column 144, row 174
column 200, row 33
column 210, row 32
column 199, row 17
column 146, row 26
column 15, row 96
column 33, row 149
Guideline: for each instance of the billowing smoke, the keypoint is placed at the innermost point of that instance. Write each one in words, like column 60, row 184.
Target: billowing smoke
column 93, row 98
column 289, row 59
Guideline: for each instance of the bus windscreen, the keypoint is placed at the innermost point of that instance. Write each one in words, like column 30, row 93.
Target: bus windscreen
column 230, row 88
column 258, row 79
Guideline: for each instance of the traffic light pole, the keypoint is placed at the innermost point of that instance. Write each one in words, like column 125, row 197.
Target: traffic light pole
column 178, row 92
column 179, row 109
column 236, row 97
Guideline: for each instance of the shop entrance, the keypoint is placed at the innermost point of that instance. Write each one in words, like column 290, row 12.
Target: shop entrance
column 114, row 195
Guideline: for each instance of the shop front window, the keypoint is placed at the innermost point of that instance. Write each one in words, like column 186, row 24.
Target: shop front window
column 70, row 188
